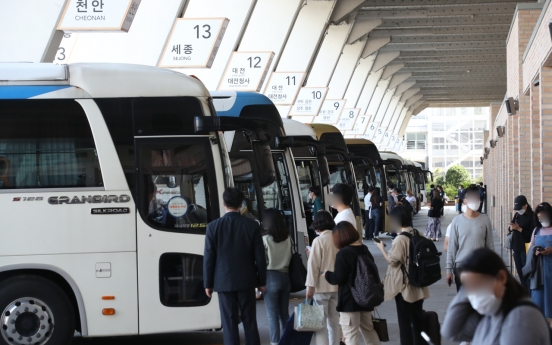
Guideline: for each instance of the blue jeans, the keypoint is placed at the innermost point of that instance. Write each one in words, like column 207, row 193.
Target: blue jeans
column 377, row 216
column 276, row 298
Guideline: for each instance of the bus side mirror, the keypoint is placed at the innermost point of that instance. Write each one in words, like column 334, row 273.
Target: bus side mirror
column 264, row 164
column 324, row 170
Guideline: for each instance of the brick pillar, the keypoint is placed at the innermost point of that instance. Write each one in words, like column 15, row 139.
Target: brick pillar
column 546, row 131
column 524, row 146
column 535, row 152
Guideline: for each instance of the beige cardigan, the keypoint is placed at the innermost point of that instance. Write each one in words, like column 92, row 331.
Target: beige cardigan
column 321, row 258
column 395, row 281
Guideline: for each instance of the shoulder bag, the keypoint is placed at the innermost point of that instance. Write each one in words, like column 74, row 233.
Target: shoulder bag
column 510, row 236
column 297, row 271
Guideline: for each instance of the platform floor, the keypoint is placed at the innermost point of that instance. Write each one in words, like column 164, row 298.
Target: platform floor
column 441, row 295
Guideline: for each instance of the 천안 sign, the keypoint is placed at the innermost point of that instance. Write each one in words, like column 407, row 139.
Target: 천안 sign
column 98, row 15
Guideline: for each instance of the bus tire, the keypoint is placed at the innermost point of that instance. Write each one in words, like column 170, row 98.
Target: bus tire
column 35, row 311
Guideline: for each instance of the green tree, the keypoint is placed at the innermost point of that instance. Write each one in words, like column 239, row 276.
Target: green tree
column 457, row 175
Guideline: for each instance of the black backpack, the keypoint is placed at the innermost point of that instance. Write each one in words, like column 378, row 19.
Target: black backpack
column 424, row 264
column 367, row 289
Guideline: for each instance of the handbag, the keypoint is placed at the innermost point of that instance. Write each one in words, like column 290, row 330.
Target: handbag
column 510, row 236
column 380, row 326
column 296, row 270
column 309, row 317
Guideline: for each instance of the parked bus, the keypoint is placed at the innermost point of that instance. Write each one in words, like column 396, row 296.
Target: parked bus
column 106, row 189
column 284, row 191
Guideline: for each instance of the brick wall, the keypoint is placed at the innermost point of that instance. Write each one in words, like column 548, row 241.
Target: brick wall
column 539, row 49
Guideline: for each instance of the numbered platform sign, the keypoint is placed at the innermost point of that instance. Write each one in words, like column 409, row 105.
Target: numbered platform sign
column 283, row 87
column 397, row 145
column 330, row 111
column 303, row 119
column 392, row 141
column 360, row 125
column 309, row 101
column 98, row 15
column 347, row 119
column 371, row 130
column 378, row 137
column 193, row 42
column 386, row 138
column 246, row 71
column 403, row 144
column 65, row 48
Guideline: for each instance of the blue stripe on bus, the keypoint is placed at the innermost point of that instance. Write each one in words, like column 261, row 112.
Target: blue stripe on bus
column 243, row 99
column 27, row 91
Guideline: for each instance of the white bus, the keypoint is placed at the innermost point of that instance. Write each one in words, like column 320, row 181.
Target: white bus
column 105, row 193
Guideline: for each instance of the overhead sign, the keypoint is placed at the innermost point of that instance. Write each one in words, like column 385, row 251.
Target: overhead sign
column 246, row 71
column 378, row 137
column 65, row 48
column 283, row 87
column 193, row 42
column 386, row 138
column 309, row 101
column 392, row 141
column 98, row 15
column 403, row 144
column 347, row 119
column 303, row 119
column 371, row 130
column 397, row 145
column 330, row 111
column 360, row 125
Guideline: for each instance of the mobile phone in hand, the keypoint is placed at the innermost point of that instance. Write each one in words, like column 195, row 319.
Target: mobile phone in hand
column 427, row 338
column 377, row 240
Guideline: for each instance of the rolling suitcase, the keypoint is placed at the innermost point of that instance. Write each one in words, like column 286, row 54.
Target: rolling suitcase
column 432, row 326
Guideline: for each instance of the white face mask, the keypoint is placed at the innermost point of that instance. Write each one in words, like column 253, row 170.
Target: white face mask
column 485, row 302
column 464, row 208
column 520, row 212
column 545, row 223
column 473, row 206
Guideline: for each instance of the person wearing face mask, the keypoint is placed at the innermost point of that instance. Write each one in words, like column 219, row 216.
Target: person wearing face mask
column 321, row 259
column 342, row 197
column 470, row 231
column 541, row 246
column 492, row 308
column 522, row 226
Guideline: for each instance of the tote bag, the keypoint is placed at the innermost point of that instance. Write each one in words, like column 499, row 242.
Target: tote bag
column 297, row 271
column 309, row 317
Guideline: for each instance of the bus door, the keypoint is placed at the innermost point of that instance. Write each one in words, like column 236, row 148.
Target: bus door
column 178, row 196
column 309, row 176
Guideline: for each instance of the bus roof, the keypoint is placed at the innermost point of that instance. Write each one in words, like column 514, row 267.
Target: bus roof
column 364, row 147
column 94, row 80
column 296, row 128
column 385, row 155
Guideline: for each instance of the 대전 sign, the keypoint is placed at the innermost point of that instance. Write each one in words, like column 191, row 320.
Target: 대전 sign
column 347, row 119
column 193, row 42
column 98, row 15
column 283, row 87
column 246, row 71
column 309, row 101
column 330, row 111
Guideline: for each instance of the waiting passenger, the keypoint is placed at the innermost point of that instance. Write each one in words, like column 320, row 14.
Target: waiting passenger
column 412, row 200
column 322, row 258
column 470, row 231
column 377, row 212
column 541, row 246
column 409, row 299
column 368, row 220
column 522, row 226
column 277, row 244
column 342, row 197
column 314, row 194
column 433, row 230
column 492, row 308
column 353, row 318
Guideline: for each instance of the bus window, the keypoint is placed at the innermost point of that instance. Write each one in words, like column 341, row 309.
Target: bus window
column 176, row 181
column 46, row 144
column 243, row 179
column 306, row 171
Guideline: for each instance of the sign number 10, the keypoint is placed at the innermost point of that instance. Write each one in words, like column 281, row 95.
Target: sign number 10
column 316, row 94
column 207, row 31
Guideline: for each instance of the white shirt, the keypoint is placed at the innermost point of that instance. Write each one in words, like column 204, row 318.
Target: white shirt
column 367, row 201
column 346, row 215
column 411, row 200
column 448, row 230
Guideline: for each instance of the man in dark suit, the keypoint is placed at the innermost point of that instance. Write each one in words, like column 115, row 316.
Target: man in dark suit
column 461, row 195
column 233, row 266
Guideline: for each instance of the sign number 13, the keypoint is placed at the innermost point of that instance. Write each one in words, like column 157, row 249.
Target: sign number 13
column 207, row 31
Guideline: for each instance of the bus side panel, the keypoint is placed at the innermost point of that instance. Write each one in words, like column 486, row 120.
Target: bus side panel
column 120, row 282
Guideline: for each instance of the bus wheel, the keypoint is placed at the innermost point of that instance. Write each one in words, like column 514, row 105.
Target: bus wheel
column 35, row 311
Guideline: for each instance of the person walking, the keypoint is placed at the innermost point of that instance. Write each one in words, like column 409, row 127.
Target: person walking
column 278, row 248
column 470, row 231
column 353, row 318
column 482, row 197
column 433, row 230
column 368, row 220
column 461, row 196
column 377, row 212
column 409, row 299
column 342, row 197
column 322, row 258
column 234, row 264
column 541, row 242
column 492, row 308
column 522, row 226
column 412, row 200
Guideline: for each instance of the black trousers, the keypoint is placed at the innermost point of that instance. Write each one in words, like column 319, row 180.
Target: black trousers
column 369, row 228
column 411, row 321
column 234, row 304
column 457, row 280
column 520, row 258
